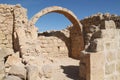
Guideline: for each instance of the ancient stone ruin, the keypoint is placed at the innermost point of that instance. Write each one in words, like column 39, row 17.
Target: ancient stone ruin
column 25, row 54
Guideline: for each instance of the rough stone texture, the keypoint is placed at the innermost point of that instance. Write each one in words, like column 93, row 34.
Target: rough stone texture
column 2, row 70
column 98, row 37
column 106, row 43
column 76, row 36
column 19, row 71
column 91, row 66
column 6, row 26
column 33, row 73
column 11, row 77
column 47, row 71
column 55, row 43
column 13, row 59
column 3, row 54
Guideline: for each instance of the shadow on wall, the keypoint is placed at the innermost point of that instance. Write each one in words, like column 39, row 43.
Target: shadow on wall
column 71, row 71
column 59, row 35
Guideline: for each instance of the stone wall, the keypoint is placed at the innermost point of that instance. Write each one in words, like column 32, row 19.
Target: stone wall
column 12, row 18
column 6, row 26
column 20, row 45
column 101, row 55
column 55, row 43
column 105, row 62
column 95, row 22
column 111, row 44
column 61, row 43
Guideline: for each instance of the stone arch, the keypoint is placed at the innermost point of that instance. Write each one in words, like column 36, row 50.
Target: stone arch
column 67, row 13
column 76, row 24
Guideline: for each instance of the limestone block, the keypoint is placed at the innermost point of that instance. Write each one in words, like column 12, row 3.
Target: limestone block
column 2, row 70
column 2, row 76
column 109, row 68
column 4, row 41
column 12, row 77
column 110, row 56
column 0, row 41
column 9, row 37
column 18, row 70
column 109, row 33
column 118, row 66
column 117, row 77
column 9, row 45
column 44, row 42
column 108, row 24
column 3, row 53
column 55, row 49
column 20, row 34
column 114, row 44
column 94, row 63
column 118, row 54
column 13, row 60
column 110, row 77
column 100, row 46
column 97, row 63
column 47, row 71
column 2, row 36
column 33, row 72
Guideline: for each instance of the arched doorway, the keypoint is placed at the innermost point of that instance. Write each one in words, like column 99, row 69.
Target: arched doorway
column 76, row 38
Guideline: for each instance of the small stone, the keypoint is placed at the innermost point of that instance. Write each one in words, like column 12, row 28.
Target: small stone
column 32, row 72
column 18, row 70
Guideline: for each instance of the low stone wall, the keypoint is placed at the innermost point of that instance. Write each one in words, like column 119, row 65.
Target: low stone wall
column 103, row 57
column 55, row 43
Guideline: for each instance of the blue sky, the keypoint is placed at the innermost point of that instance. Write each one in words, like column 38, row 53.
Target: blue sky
column 55, row 21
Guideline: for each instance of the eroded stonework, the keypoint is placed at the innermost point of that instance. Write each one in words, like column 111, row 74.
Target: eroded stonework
column 26, row 54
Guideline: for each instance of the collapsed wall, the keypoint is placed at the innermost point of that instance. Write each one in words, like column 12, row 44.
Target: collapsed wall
column 21, row 48
column 12, row 17
column 100, row 60
column 6, row 26
column 15, row 41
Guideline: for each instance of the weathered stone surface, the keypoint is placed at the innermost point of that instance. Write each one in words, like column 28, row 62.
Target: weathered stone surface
column 14, row 59
column 2, row 70
column 3, row 53
column 117, row 77
column 18, row 70
column 118, row 67
column 12, row 77
column 110, row 78
column 110, row 69
column 100, row 34
column 109, row 24
column 110, row 56
column 47, row 71
column 33, row 73
column 91, row 65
